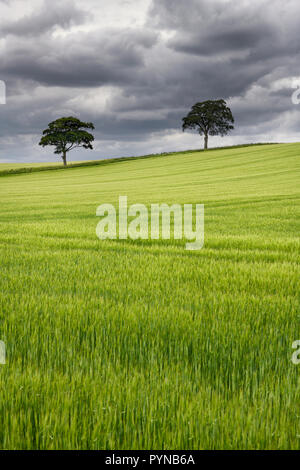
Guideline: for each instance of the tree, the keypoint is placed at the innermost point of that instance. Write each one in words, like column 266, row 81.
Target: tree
column 209, row 118
column 66, row 134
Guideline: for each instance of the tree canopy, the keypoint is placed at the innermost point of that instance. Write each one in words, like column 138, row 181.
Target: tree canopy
column 66, row 134
column 209, row 118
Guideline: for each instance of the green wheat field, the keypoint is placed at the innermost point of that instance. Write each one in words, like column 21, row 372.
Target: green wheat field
column 141, row 344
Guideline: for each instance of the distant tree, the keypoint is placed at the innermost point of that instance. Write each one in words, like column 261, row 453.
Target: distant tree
column 209, row 118
column 66, row 134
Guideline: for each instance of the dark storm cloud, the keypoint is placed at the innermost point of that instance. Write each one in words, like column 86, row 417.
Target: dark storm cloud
column 185, row 52
column 214, row 43
column 229, row 48
column 209, row 28
column 85, row 59
column 48, row 17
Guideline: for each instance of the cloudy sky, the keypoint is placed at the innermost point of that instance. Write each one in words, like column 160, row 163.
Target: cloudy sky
column 135, row 67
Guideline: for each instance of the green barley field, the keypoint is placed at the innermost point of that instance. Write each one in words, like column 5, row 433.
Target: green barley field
column 123, row 344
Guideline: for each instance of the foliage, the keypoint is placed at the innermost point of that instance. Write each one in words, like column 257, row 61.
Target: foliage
column 209, row 118
column 66, row 134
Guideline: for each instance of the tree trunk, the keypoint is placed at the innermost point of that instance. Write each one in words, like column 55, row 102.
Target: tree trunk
column 205, row 142
column 64, row 157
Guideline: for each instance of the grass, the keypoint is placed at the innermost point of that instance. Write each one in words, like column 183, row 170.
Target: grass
column 143, row 345
column 17, row 168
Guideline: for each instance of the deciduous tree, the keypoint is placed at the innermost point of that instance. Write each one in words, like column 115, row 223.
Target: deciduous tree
column 66, row 134
column 209, row 118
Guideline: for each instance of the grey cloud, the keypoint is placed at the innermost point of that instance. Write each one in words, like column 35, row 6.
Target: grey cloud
column 208, row 50
column 51, row 14
column 235, row 39
column 261, row 29
column 83, row 59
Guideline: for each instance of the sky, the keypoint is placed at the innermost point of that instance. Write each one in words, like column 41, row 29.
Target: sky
column 135, row 67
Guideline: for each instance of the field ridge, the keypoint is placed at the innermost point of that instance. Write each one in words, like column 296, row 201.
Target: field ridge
column 59, row 166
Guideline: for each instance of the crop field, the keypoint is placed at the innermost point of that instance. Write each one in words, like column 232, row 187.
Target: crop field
column 13, row 166
column 123, row 344
column 27, row 167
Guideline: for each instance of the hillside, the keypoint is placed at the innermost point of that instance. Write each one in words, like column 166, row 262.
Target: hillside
column 17, row 168
column 141, row 344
